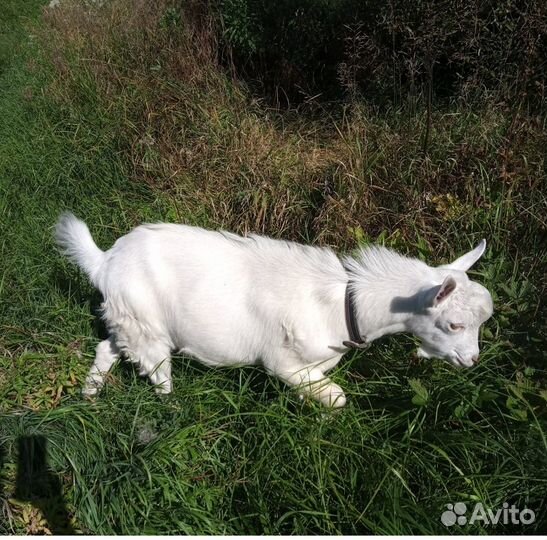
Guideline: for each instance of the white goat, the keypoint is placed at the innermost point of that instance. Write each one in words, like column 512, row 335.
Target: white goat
column 230, row 300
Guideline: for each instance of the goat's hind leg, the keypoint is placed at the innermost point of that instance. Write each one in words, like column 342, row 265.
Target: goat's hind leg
column 105, row 355
column 154, row 360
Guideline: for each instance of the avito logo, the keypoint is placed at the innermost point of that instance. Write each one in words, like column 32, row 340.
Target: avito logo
column 456, row 514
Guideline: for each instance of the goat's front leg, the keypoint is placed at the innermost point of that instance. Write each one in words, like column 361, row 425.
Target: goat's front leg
column 311, row 381
column 105, row 355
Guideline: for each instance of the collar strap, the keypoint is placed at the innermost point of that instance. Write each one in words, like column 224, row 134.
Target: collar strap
column 355, row 340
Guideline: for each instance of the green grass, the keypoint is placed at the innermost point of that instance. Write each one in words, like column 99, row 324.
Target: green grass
column 234, row 451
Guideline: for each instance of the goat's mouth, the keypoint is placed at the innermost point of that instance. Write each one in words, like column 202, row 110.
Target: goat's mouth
column 452, row 357
column 459, row 361
column 456, row 361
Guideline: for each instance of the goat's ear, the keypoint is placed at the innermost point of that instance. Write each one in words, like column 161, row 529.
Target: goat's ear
column 465, row 262
column 440, row 293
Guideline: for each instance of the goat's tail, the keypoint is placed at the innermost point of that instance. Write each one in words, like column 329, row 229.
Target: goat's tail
column 75, row 241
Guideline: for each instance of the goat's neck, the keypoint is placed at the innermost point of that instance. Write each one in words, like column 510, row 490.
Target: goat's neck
column 386, row 304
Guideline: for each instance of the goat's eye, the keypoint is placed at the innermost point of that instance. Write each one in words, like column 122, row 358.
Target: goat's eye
column 455, row 327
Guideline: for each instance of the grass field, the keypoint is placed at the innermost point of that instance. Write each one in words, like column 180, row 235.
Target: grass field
column 112, row 112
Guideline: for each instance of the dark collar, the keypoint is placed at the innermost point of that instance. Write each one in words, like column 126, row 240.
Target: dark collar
column 355, row 340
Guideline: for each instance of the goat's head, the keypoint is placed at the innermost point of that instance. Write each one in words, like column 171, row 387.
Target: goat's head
column 453, row 312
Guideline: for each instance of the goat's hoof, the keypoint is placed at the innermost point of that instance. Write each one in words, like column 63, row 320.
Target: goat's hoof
column 89, row 392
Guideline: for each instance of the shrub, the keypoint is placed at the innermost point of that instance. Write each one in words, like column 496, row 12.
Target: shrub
column 387, row 51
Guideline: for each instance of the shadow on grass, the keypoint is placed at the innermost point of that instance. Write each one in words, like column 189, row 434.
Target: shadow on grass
column 78, row 290
column 36, row 484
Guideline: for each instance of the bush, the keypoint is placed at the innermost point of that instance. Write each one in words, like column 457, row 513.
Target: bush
column 387, row 51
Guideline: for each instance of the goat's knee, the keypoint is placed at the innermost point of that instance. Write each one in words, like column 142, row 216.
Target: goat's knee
column 314, row 383
column 328, row 393
column 332, row 396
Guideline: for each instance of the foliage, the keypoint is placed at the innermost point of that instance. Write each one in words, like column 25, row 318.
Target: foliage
column 390, row 51
column 123, row 113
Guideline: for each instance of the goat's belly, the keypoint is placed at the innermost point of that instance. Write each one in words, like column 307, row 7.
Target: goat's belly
column 222, row 338
column 220, row 343
column 212, row 358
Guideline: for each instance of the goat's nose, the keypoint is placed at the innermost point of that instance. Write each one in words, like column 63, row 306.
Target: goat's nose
column 475, row 358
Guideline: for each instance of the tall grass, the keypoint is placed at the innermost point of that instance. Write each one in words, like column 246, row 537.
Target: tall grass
column 123, row 113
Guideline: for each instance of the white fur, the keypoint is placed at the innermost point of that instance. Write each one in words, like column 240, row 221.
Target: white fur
column 231, row 300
